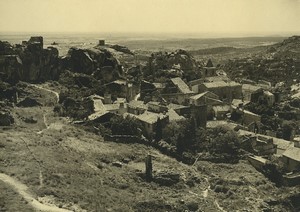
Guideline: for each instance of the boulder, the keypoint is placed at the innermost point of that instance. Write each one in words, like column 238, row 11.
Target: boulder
column 94, row 61
column 167, row 178
column 30, row 120
column 6, row 119
column 29, row 102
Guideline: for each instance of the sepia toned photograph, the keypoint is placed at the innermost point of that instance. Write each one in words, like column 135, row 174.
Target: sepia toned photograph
column 149, row 105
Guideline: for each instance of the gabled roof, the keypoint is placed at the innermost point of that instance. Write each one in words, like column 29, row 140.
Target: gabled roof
column 268, row 93
column 293, row 153
column 221, row 108
column 150, row 117
column 182, row 86
column 137, row 104
column 237, row 102
column 97, row 115
column 173, row 116
column 112, row 107
column 147, row 117
column 198, row 96
column 214, row 124
column 176, row 106
column 297, row 95
column 215, row 84
column 251, row 88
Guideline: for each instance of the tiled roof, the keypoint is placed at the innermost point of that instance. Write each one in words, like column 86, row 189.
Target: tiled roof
column 221, row 108
column 176, row 106
column 112, row 107
column 173, row 116
column 182, row 86
column 97, row 115
column 297, row 95
column 215, row 84
column 137, row 104
column 195, row 97
column 150, row 117
column 249, row 87
column 293, row 153
column 236, row 102
column 214, row 124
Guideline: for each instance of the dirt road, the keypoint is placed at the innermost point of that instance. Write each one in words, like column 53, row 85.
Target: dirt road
column 22, row 190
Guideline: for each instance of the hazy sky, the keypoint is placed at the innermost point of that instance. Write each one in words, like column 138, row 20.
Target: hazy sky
column 211, row 17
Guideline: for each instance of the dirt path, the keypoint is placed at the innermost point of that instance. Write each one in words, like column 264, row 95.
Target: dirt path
column 22, row 190
column 46, row 89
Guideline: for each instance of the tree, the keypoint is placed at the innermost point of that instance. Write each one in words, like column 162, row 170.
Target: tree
column 182, row 134
column 125, row 126
column 287, row 130
column 224, row 141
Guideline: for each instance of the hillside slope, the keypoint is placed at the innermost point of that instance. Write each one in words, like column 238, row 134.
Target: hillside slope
column 65, row 166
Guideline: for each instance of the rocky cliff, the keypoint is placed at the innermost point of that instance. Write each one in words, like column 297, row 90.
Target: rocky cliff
column 28, row 61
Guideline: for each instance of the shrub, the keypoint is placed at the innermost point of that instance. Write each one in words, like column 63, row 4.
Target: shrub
column 125, row 126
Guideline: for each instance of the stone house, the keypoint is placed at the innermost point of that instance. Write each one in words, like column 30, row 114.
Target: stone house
column 291, row 159
column 206, row 97
column 259, row 145
column 269, row 98
column 220, row 111
column 121, row 88
column 180, row 109
column 225, row 90
column 157, row 107
column 177, row 91
column 136, row 107
column 257, row 162
column 252, row 92
column 244, row 117
column 149, row 121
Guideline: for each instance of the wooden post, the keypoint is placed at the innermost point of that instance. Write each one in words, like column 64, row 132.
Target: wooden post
column 148, row 163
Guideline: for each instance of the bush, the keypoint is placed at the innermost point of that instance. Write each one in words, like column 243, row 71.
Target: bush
column 125, row 126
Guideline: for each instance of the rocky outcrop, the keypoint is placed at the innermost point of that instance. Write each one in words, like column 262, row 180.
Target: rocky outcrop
column 123, row 49
column 175, row 64
column 28, row 62
column 95, row 61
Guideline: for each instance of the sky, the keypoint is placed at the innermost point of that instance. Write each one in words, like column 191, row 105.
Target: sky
column 203, row 17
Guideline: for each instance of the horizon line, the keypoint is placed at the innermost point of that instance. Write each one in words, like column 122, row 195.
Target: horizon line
column 162, row 34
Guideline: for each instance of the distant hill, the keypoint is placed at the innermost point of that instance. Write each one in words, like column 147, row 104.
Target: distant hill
column 275, row 63
column 290, row 47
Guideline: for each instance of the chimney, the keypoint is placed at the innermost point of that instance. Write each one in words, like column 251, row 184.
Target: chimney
column 297, row 144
